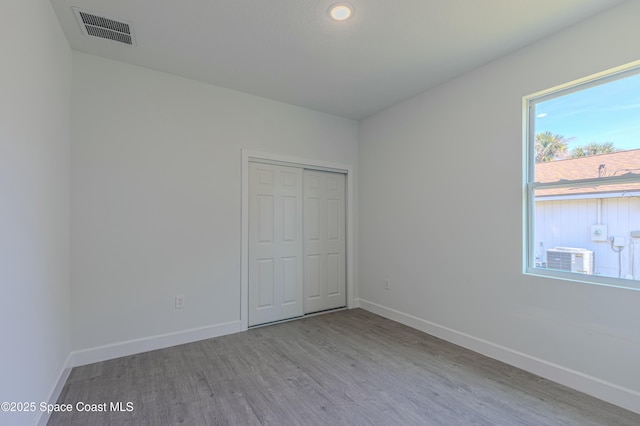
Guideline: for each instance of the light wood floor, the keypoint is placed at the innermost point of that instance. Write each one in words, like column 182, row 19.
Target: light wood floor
column 342, row 368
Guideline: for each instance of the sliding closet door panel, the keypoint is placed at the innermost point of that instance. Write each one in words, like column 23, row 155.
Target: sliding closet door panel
column 312, row 277
column 275, row 243
column 334, row 270
column 265, row 283
column 324, row 241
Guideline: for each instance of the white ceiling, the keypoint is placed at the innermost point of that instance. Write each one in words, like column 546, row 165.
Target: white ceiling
column 290, row 51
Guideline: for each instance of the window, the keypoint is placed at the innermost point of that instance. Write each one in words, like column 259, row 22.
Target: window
column 582, row 180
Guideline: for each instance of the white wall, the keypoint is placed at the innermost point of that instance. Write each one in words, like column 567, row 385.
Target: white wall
column 156, row 191
column 35, row 80
column 441, row 217
column 567, row 223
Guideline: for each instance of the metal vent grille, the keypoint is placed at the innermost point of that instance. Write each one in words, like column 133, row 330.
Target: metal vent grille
column 111, row 35
column 570, row 259
column 103, row 27
column 557, row 260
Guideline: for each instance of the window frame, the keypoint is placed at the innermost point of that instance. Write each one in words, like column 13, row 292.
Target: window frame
column 530, row 186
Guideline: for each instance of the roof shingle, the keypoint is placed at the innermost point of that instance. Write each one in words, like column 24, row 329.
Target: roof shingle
column 590, row 167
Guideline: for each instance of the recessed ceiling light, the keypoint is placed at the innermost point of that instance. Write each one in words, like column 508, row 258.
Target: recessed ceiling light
column 341, row 11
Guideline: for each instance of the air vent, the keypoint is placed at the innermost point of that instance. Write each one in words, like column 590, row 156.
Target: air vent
column 570, row 259
column 103, row 27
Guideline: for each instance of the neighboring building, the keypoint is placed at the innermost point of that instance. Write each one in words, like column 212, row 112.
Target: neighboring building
column 564, row 217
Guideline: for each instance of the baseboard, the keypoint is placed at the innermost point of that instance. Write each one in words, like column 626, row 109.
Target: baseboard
column 131, row 347
column 57, row 389
column 606, row 391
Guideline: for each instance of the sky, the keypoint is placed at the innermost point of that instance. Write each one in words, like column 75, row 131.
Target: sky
column 606, row 113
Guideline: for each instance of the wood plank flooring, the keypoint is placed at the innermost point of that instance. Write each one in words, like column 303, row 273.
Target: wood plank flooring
column 342, row 368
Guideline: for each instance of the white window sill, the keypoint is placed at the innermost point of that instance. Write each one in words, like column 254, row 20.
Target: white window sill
column 584, row 278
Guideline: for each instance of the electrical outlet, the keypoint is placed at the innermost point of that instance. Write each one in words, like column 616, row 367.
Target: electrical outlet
column 387, row 284
column 179, row 301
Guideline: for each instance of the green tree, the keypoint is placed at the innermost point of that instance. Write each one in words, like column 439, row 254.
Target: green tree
column 593, row 148
column 550, row 147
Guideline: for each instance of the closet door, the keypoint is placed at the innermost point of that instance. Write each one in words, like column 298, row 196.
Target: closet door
column 275, row 243
column 324, row 241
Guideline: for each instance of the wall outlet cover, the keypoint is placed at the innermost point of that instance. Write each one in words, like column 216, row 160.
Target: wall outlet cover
column 179, row 301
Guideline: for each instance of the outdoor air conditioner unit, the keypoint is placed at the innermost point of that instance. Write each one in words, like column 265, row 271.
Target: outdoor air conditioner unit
column 570, row 259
